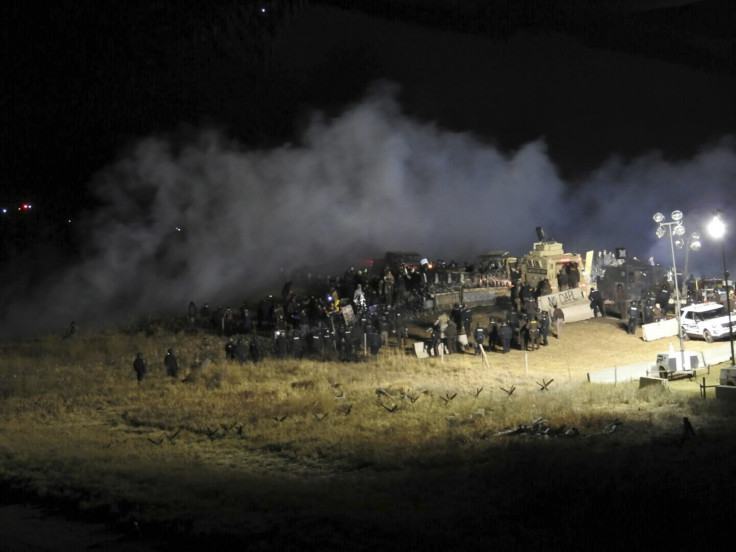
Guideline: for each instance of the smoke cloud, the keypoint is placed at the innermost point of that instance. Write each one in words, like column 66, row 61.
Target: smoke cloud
column 208, row 220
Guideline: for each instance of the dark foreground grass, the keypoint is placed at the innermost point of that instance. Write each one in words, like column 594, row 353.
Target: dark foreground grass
column 544, row 495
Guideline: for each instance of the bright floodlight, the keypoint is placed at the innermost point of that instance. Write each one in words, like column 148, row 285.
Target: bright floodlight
column 678, row 230
column 716, row 227
column 658, row 217
column 676, row 215
column 659, row 231
column 679, row 243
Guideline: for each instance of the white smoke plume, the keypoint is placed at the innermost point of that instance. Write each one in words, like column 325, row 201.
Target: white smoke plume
column 208, row 220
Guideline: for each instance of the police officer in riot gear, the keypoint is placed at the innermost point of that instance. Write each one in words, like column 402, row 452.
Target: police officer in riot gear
column 505, row 333
column 544, row 323
column 633, row 313
column 596, row 303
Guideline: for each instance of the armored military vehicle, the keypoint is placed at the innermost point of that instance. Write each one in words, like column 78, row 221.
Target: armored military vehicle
column 629, row 280
column 541, row 267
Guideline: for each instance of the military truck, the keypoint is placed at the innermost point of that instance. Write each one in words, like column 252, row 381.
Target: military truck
column 540, row 269
column 634, row 278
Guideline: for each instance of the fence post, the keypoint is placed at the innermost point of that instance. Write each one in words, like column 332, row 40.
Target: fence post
column 702, row 389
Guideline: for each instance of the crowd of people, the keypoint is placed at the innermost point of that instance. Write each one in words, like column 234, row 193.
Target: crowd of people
column 354, row 316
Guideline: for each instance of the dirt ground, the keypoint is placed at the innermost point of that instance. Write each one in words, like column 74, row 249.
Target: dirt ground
column 585, row 346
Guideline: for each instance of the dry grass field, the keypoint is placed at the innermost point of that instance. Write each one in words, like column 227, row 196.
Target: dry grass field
column 387, row 452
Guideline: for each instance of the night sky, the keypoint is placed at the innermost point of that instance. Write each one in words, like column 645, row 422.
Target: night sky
column 200, row 149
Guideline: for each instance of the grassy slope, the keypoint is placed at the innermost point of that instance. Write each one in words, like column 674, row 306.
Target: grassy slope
column 267, row 454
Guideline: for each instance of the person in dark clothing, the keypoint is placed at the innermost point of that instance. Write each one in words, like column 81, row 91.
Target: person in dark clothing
column 314, row 343
column 246, row 321
column 663, row 298
column 528, row 300
column 467, row 315
column 226, row 322
column 240, row 351
column 451, row 338
column 328, row 343
column 204, row 312
column 347, row 345
column 230, row 349
column 479, row 336
column 562, row 280
column 286, row 291
column 72, row 331
column 255, row 350
column 692, row 287
column 522, row 333
column 573, row 276
column 456, row 316
column 296, row 349
column 544, row 323
column 281, row 347
column 526, row 293
column 633, row 313
column 140, row 367
column 648, row 314
column 513, row 318
column 505, row 333
column 492, row 334
column 596, row 303
column 402, row 332
column 374, row 340
column 172, row 364
column 543, row 288
column 433, row 344
column 514, row 321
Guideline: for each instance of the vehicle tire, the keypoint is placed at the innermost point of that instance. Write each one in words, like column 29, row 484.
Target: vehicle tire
column 707, row 336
